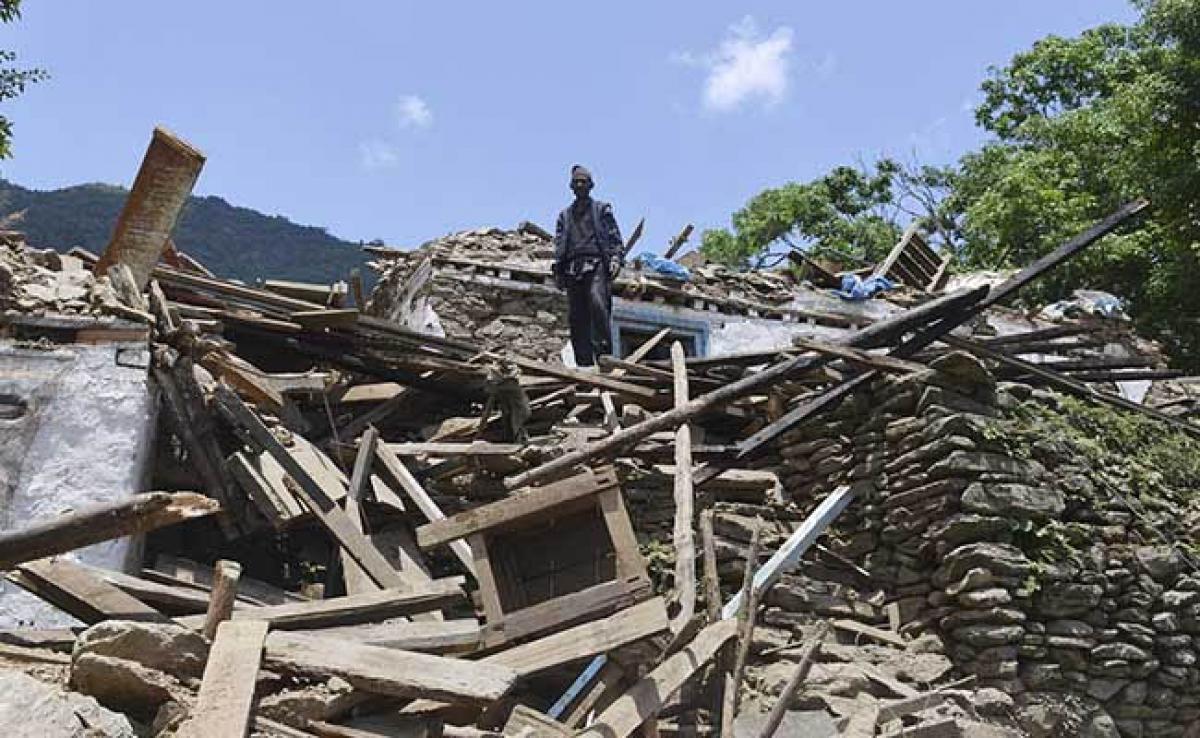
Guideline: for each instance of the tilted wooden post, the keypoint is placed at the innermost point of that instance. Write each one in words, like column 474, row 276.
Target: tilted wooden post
column 224, row 592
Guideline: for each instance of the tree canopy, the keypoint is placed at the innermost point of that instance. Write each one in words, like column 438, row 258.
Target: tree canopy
column 1077, row 127
column 12, row 80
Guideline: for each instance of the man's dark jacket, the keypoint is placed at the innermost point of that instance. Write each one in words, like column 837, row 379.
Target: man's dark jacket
column 607, row 242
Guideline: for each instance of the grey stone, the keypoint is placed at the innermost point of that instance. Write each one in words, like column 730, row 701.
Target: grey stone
column 1105, row 689
column 1123, row 651
column 1165, row 622
column 1001, row 559
column 33, row 709
column 1066, row 599
column 965, row 369
column 962, row 463
column 126, row 686
column 983, row 636
column 1177, row 600
column 1100, row 725
column 1073, row 628
column 169, row 648
column 1018, row 500
column 983, row 598
column 1135, row 693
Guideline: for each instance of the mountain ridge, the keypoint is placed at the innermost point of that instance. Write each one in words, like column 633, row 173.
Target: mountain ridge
column 231, row 240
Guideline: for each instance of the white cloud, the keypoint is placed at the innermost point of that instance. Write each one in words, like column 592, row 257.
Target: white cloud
column 746, row 66
column 375, row 154
column 413, row 112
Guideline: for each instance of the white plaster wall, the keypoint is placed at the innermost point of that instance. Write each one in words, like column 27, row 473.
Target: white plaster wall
column 87, row 438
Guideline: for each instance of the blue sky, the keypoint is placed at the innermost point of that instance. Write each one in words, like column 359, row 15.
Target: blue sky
column 405, row 121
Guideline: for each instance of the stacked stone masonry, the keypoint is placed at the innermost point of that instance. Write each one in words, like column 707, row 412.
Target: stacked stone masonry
column 952, row 526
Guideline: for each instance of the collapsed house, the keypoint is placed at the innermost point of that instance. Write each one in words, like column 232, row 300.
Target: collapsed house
column 774, row 512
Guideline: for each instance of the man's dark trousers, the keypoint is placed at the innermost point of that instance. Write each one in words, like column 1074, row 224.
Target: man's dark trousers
column 589, row 305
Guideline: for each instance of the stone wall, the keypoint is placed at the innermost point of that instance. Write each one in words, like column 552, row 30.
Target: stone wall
column 1033, row 541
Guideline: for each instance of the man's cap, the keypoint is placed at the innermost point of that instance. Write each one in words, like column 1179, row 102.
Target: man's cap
column 579, row 171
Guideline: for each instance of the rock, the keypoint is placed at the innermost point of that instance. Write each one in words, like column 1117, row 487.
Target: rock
column 1165, row 622
column 926, row 643
column 815, row 723
column 327, row 701
column 978, row 578
column 1105, row 689
column 1072, row 628
column 1065, row 599
column 965, row 369
column 1163, row 563
column 169, row 648
column 1100, row 725
column 968, row 528
column 991, row 702
column 999, row 558
column 1177, row 600
column 925, row 668
column 984, row 598
column 125, row 685
column 1123, row 651
column 1040, row 720
column 984, row 636
column 1017, row 500
column 963, row 463
column 33, row 709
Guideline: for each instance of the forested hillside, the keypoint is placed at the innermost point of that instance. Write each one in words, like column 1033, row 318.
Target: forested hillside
column 231, row 241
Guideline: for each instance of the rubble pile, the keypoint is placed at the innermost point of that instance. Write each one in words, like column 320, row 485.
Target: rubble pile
column 395, row 520
column 40, row 281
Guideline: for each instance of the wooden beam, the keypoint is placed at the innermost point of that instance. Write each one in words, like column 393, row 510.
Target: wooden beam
column 355, row 579
column 420, row 497
column 678, row 241
column 685, row 508
column 80, row 593
column 173, row 570
column 227, row 690
column 224, row 592
column 351, row 609
column 318, row 500
column 1064, row 252
column 446, row 636
column 584, row 641
column 566, row 610
column 517, row 507
column 1071, row 386
column 864, row 338
column 389, row 671
column 635, row 393
column 807, row 657
column 646, row 697
column 746, row 616
column 137, row 514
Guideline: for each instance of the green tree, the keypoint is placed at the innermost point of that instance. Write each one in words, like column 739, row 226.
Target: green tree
column 12, row 79
column 1082, row 125
column 847, row 214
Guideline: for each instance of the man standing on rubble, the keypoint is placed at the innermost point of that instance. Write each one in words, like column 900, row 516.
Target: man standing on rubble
column 588, row 255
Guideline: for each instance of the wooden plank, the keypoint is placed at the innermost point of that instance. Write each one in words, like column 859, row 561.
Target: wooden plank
column 376, row 392
column 174, row 570
column 559, row 612
column 790, row 552
column 224, row 592
column 356, row 580
column 526, row 722
column 867, row 337
column 632, row 392
column 56, row 639
column 746, row 616
column 314, row 320
column 447, row 636
column 351, row 609
column 27, row 654
column 318, row 500
column 646, row 697
column 679, row 240
column 516, row 508
column 458, row 450
column 135, row 514
column 170, row 598
column 897, row 709
column 881, row 362
column 375, row 415
column 80, row 593
column 1064, row 252
column 390, row 671
column 685, row 508
column 417, row 494
column 249, row 384
column 227, row 689
column 586, row 640
column 867, row 631
column 278, row 506
column 807, row 658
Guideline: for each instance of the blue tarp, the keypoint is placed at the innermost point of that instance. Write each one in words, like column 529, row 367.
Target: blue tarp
column 664, row 268
column 856, row 288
